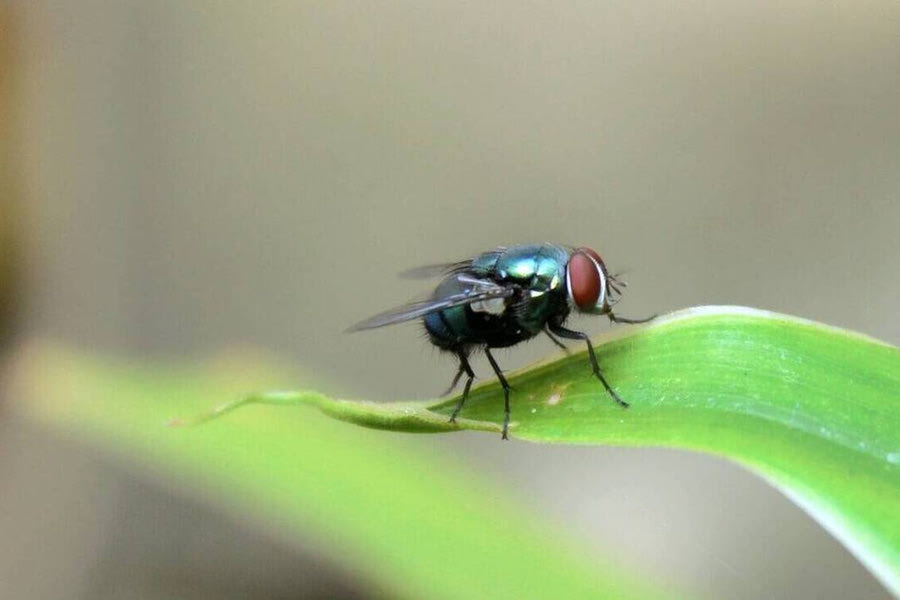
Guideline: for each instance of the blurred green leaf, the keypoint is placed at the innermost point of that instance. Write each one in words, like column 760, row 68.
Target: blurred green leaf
column 813, row 409
column 410, row 525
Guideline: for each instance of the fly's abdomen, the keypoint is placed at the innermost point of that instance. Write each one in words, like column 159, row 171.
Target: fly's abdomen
column 461, row 326
column 448, row 328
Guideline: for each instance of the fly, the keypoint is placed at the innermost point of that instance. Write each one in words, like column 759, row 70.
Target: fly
column 506, row 296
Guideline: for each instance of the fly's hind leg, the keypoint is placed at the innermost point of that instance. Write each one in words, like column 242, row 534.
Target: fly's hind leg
column 453, row 383
column 464, row 367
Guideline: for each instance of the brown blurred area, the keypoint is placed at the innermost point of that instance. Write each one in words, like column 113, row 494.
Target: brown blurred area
column 179, row 177
column 10, row 192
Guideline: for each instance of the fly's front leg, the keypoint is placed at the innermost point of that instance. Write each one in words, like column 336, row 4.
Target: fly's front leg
column 578, row 335
column 503, row 382
column 464, row 367
column 616, row 319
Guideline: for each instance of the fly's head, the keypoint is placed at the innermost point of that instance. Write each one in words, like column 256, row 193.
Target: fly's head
column 590, row 286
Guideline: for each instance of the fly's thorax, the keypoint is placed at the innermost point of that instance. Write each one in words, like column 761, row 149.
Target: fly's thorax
column 539, row 270
column 535, row 267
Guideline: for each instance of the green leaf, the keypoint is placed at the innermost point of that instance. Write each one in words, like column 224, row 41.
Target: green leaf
column 399, row 516
column 813, row 409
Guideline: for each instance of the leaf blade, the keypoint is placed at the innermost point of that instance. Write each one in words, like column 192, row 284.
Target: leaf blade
column 409, row 524
column 812, row 408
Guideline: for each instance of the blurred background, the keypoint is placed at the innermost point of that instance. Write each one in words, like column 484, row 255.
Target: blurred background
column 178, row 178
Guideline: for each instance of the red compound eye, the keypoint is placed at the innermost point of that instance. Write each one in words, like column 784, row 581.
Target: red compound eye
column 593, row 254
column 584, row 278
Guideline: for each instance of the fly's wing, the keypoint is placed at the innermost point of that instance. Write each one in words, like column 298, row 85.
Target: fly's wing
column 431, row 271
column 444, row 269
column 472, row 290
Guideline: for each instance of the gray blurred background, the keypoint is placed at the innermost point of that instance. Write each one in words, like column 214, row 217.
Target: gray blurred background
column 193, row 175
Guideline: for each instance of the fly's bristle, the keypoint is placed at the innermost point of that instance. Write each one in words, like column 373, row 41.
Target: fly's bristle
column 614, row 286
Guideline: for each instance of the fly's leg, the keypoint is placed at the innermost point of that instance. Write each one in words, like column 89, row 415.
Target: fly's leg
column 463, row 367
column 615, row 319
column 499, row 373
column 453, row 383
column 578, row 335
column 557, row 342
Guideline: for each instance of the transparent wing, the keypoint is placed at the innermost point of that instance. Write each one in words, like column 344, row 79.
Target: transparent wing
column 431, row 271
column 444, row 269
column 479, row 291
